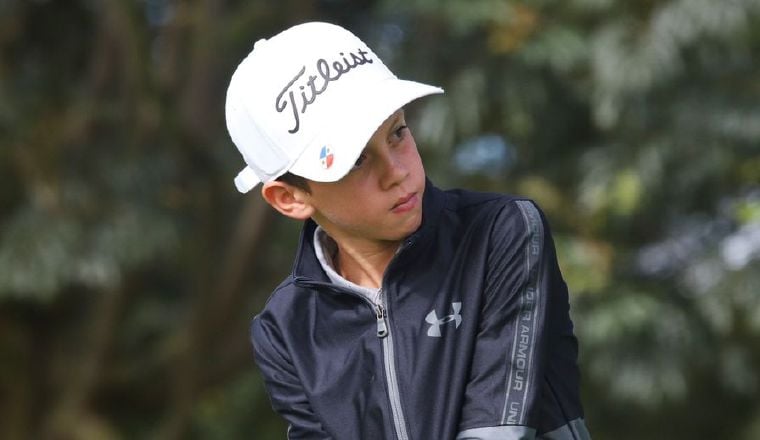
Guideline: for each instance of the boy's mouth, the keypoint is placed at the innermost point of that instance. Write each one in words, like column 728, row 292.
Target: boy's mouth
column 405, row 203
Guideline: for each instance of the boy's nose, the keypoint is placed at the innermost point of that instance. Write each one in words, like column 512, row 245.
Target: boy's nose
column 394, row 170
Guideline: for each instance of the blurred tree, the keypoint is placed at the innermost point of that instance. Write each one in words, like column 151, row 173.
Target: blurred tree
column 130, row 268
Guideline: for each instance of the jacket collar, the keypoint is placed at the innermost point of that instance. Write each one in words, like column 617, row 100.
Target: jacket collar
column 307, row 265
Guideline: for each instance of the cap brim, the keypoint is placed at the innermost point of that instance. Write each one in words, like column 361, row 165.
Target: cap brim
column 346, row 134
column 246, row 180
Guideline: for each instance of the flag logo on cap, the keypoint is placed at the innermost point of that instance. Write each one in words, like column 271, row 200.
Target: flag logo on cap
column 326, row 157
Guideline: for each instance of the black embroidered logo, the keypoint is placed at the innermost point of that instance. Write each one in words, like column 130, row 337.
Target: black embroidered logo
column 316, row 84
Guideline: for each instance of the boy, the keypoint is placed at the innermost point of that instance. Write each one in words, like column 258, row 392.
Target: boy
column 411, row 313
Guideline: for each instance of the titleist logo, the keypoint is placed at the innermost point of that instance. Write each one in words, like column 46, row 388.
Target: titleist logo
column 316, row 84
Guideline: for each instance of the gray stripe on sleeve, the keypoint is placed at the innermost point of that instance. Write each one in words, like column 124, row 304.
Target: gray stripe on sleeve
column 575, row 430
column 504, row 432
column 521, row 358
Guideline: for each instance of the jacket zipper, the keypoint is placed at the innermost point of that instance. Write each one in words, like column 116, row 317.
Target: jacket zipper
column 384, row 333
column 382, row 325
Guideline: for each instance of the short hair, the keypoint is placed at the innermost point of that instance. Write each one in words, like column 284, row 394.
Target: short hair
column 294, row 180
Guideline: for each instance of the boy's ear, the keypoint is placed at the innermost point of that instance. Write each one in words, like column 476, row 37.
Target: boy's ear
column 287, row 199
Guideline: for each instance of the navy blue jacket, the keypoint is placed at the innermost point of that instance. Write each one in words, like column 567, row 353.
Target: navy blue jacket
column 473, row 339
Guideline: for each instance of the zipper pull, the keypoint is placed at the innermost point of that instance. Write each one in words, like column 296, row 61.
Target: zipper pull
column 382, row 326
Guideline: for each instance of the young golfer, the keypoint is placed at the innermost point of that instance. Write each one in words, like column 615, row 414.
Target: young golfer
column 410, row 312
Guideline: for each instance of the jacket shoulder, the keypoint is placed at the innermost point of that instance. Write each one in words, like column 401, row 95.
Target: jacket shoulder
column 462, row 200
column 279, row 301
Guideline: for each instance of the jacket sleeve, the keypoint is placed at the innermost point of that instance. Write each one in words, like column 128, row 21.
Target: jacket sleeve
column 282, row 383
column 524, row 295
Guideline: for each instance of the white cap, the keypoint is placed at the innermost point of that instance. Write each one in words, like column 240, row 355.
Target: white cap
column 307, row 101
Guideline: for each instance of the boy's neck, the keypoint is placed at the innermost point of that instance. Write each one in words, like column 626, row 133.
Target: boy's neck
column 364, row 265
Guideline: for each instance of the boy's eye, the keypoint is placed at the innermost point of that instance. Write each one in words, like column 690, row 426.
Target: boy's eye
column 359, row 160
column 400, row 131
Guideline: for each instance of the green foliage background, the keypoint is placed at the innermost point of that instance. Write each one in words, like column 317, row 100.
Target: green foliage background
column 130, row 267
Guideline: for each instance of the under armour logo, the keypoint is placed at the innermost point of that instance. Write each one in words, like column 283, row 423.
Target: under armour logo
column 435, row 323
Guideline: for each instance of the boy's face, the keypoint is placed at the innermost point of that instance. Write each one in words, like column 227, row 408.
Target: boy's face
column 380, row 199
